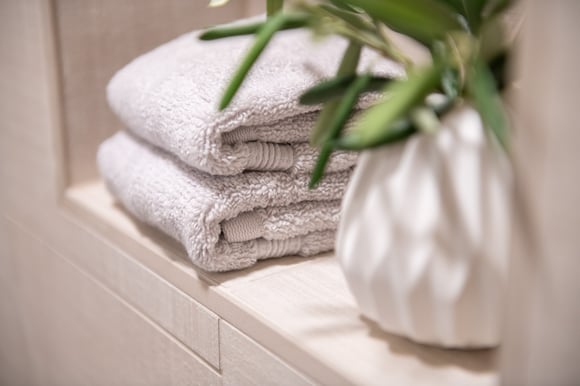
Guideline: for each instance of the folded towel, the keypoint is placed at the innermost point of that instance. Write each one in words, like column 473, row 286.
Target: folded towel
column 224, row 222
column 169, row 97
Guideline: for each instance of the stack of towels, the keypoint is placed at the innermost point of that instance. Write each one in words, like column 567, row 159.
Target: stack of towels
column 231, row 186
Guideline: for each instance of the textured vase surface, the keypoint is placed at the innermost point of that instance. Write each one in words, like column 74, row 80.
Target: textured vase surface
column 424, row 234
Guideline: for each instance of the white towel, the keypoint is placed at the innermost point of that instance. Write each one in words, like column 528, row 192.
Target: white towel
column 169, row 97
column 224, row 222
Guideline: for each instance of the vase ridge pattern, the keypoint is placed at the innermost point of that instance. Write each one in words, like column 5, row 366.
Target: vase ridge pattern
column 424, row 237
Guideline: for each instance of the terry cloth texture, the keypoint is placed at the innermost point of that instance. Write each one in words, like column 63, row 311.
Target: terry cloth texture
column 169, row 97
column 224, row 222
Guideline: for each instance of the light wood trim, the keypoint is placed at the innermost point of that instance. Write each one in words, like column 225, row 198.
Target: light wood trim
column 298, row 308
column 60, row 327
column 247, row 363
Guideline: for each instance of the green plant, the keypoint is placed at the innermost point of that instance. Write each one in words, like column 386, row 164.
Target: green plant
column 468, row 44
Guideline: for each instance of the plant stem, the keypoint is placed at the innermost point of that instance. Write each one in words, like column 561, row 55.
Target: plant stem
column 400, row 97
column 347, row 66
column 273, row 7
column 398, row 131
column 355, row 28
column 293, row 21
column 341, row 114
column 336, row 87
column 394, row 51
column 263, row 37
column 350, row 59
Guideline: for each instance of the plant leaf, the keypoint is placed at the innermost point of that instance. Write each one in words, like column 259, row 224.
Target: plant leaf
column 328, row 90
column 398, row 131
column 263, row 37
column 367, row 33
column 450, row 82
column 472, row 10
column 292, row 21
column 486, row 99
column 494, row 7
column 423, row 20
column 400, row 97
column 496, row 38
column 401, row 129
column 425, row 119
column 345, row 6
column 347, row 104
column 347, row 66
column 340, row 117
column 350, row 18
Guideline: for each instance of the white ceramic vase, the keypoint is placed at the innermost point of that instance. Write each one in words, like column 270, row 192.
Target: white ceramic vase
column 424, row 234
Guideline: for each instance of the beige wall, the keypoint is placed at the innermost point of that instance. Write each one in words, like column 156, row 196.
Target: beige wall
column 97, row 37
column 543, row 326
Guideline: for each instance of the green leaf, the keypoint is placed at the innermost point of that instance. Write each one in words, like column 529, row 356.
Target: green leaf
column 425, row 119
column 423, row 20
column 345, row 6
column 400, row 97
column 472, row 10
column 347, row 105
column 328, row 90
column 347, row 66
column 350, row 18
column 265, row 34
column 273, row 7
column 450, row 82
column 292, row 21
column 398, row 131
column 494, row 7
column 359, row 28
column 340, row 117
column 318, row 171
column 483, row 91
column 495, row 38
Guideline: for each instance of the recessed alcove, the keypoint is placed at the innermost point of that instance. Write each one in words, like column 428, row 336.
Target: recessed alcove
column 298, row 309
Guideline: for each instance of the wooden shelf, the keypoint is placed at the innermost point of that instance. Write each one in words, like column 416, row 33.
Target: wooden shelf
column 298, row 308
